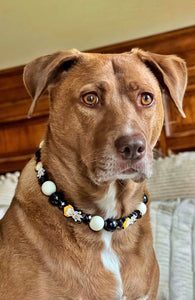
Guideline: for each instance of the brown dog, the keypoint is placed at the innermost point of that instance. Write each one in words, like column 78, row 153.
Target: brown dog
column 106, row 114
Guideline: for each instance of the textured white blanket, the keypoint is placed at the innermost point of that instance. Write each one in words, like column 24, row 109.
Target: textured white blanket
column 173, row 225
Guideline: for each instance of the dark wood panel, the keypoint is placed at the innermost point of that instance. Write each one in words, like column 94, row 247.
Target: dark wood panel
column 14, row 163
column 184, row 143
column 175, row 124
column 14, row 99
column 19, row 139
column 11, row 111
column 180, row 42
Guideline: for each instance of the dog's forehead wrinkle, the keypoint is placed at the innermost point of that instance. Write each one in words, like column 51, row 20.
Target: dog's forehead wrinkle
column 102, row 85
column 133, row 77
column 116, row 67
column 133, row 85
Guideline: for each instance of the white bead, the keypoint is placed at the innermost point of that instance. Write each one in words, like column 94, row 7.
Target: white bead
column 96, row 223
column 142, row 208
column 41, row 144
column 48, row 188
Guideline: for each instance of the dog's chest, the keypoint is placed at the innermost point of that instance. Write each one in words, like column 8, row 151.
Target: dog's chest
column 109, row 258
column 111, row 262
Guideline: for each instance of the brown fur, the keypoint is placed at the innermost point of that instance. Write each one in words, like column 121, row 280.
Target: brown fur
column 44, row 255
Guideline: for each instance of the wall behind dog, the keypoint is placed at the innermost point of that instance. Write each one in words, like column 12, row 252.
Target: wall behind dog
column 32, row 28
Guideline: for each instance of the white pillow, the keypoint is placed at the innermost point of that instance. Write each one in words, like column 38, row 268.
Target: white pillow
column 174, row 243
column 8, row 184
column 173, row 177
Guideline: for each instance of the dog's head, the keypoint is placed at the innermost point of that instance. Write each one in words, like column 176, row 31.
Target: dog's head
column 107, row 109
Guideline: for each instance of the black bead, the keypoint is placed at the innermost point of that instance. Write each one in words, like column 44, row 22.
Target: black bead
column 43, row 178
column 123, row 219
column 120, row 223
column 86, row 218
column 56, row 198
column 110, row 224
column 145, row 199
column 129, row 216
column 62, row 204
column 138, row 213
column 38, row 155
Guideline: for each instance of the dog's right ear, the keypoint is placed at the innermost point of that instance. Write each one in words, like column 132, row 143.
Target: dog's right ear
column 43, row 71
column 171, row 72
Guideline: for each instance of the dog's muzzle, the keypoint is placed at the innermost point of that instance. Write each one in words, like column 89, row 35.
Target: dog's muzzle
column 129, row 159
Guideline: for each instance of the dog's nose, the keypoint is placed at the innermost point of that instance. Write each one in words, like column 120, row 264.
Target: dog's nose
column 131, row 147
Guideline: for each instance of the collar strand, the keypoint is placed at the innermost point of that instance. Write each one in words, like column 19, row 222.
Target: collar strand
column 96, row 223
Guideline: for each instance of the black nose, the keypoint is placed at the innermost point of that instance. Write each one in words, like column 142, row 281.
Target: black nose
column 131, row 147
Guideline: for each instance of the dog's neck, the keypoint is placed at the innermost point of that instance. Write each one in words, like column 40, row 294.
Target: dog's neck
column 111, row 199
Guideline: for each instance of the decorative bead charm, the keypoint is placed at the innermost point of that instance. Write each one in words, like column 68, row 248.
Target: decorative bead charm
column 96, row 223
column 40, row 172
column 142, row 208
column 38, row 166
column 77, row 216
column 126, row 223
column 48, row 188
column 68, row 210
column 130, row 220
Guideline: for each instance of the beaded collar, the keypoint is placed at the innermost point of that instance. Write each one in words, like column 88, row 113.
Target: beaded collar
column 96, row 223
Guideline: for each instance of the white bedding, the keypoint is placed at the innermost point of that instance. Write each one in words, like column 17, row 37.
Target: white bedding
column 173, row 225
column 8, row 184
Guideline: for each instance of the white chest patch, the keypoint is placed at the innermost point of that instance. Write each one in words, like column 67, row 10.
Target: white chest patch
column 112, row 263
column 108, row 256
column 108, row 202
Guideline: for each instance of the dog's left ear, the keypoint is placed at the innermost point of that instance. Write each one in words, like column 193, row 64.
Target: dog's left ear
column 171, row 71
column 45, row 71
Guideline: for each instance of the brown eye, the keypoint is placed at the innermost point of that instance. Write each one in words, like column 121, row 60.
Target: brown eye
column 90, row 99
column 146, row 99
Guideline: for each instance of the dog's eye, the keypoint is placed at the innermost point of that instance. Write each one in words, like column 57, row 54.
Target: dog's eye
column 90, row 99
column 146, row 99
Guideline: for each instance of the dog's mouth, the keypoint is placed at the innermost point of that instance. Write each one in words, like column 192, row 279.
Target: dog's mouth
column 113, row 169
column 137, row 172
column 129, row 171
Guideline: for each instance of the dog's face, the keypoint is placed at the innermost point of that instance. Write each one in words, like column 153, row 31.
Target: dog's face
column 104, row 116
column 107, row 110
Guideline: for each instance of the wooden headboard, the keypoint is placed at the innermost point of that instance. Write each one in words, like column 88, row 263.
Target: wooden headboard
column 20, row 136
